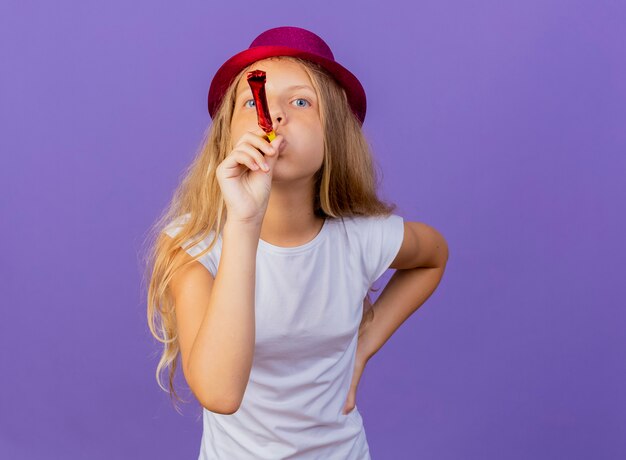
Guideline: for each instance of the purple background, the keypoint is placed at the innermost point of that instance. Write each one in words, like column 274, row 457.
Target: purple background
column 501, row 124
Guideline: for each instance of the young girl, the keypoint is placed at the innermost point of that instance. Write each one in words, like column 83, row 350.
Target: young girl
column 267, row 304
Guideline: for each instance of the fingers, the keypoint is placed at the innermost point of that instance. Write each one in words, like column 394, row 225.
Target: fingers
column 272, row 159
column 240, row 157
column 256, row 140
column 276, row 143
column 253, row 156
column 258, row 147
column 253, row 151
column 249, row 156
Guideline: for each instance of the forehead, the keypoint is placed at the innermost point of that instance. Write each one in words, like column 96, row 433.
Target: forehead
column 279, row 74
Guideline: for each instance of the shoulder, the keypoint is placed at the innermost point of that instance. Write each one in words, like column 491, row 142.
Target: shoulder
column 368, row 222
column 174, row 226
column 376, row 240
column 206, row 252
column 422, row 246
column 378, row 235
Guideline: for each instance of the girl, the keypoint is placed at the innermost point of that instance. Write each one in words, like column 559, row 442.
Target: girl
column 267, row 301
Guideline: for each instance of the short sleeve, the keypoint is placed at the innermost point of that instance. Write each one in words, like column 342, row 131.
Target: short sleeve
column 210, row 259
column 383, row 240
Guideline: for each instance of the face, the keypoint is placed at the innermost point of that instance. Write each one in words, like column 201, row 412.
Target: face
column 294, row 109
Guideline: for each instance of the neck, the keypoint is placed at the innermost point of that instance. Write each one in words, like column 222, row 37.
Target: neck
column 289, row 219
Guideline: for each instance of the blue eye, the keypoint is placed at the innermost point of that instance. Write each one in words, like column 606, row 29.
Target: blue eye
column 301, row 99
column 253, row 104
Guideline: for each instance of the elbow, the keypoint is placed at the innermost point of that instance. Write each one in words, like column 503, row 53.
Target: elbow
column 217, row 402
column 443, row 253
column 223, row 398
column 446, row 254
column 220, row 408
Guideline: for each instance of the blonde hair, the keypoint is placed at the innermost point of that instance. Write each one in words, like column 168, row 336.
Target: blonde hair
column 345, row 186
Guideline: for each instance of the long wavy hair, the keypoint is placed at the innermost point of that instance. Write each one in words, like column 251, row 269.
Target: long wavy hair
column 345, row 185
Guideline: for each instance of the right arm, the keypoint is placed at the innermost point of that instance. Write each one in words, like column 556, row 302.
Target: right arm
column 216, row 321
column 215, row 317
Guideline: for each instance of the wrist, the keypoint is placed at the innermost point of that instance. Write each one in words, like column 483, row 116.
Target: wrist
column 252, row 223
column 242, row 231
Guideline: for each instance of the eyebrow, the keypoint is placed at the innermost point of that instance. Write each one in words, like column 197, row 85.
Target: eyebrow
column 247, row 88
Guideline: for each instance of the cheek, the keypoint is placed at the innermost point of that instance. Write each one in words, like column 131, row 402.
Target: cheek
column 320, row 149
column 316, row 137
column 316, row 152
column 312, row 139
column 237, row 129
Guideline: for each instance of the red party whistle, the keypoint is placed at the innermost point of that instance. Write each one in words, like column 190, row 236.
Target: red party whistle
column 256, row 80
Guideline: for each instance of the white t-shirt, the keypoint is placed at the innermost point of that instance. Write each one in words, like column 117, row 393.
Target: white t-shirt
column 308, row 307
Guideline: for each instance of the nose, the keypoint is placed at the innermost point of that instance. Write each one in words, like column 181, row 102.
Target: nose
column 277, row 114
column 278, row 119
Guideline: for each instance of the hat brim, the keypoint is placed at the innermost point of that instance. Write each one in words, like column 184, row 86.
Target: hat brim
column 228, row 71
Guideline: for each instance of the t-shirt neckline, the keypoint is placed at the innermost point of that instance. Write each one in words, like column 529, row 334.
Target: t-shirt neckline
column 317, row 239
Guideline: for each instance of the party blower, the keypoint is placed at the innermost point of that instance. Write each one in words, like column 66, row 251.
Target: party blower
column 256, row 80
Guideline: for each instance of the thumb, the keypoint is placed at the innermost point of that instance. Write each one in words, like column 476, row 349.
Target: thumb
column 277, row 144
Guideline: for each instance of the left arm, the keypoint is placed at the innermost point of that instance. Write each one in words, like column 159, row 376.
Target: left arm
column 419, row 265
